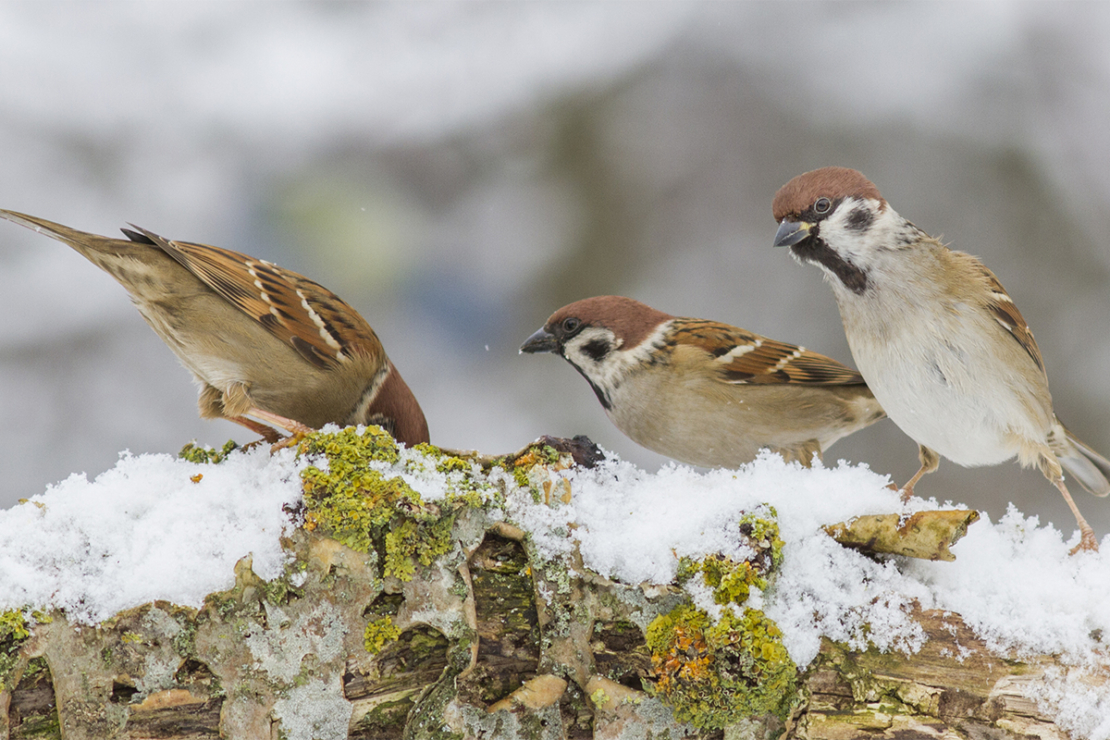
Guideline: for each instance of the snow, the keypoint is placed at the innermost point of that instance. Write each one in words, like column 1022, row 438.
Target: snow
column 146, row 530
column 1013, row 582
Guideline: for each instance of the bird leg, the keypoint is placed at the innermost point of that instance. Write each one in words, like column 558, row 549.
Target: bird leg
column 1050, row 466
column 296, row 429
column 1087, row 535
column 930, row 461
column 235, row 404
column 269, row 434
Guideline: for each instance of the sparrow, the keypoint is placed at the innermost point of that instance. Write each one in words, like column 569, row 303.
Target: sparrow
column 702, row 392
column 266, row 346
column 935, row 335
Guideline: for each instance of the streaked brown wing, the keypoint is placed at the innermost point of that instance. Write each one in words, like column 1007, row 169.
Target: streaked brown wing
column 1002, row 308
column 313, row 320
column 746, row 357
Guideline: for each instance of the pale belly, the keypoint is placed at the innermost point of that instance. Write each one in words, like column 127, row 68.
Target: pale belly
column 936, row 402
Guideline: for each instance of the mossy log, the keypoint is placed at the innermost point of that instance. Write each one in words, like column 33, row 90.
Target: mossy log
column 483, row 638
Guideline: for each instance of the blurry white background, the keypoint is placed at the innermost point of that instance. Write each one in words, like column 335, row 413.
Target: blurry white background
column 457, row 171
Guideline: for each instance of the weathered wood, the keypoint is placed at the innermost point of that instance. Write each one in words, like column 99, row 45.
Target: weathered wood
column 487, row 638
column 953, row 687
column 924, row 534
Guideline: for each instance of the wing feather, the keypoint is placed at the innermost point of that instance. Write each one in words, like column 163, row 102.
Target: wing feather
column 746, row 357
column 1002, row 308
column 299, row 311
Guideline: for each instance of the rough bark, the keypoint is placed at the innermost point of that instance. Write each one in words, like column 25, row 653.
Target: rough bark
column 479, row 653
column 487, row 640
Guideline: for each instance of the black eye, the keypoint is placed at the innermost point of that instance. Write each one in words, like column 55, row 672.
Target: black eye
column 822, row 205
column 571, row 324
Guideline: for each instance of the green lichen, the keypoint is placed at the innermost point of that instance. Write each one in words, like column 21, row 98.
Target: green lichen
column 732, row 581
column 350, row 449
column 762, row 531
column 195, row 453
column 15, row 628
column 714, row 675
column 280, row 590
column 379, row 632
column 185, row 642
column 522, row 465
column 13, row 632
column 444, row 463
column 600, row 698
column 412, row 542
column 360, row 498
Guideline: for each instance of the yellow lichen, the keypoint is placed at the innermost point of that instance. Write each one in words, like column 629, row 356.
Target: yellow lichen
column 378, row 633
column 410, row 542
column 359, row 497
column 730, row 580
column 15, row 628
column 714, row 675
column 762, row 531
column 195, row 453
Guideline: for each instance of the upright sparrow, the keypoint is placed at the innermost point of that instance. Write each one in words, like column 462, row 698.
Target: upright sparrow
column 935, row 335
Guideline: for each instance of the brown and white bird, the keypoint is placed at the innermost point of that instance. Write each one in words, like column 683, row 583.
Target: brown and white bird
column 935, row 335
column 702, row 392
column 263, row 343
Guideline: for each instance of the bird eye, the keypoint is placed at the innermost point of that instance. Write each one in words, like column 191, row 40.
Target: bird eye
column 571, row 324
column 822, row 205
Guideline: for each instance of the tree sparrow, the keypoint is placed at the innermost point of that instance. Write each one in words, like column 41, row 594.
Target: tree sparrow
column 937, row 338
column 706, row 393
column 261, row 341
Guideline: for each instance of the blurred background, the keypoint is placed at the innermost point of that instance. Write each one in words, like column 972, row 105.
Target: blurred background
column 457, row 171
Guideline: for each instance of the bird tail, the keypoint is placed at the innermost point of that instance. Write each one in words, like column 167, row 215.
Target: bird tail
column 102, row 251
column 1091, row 469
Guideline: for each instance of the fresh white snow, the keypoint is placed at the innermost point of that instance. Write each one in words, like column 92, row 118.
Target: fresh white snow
column 147, row 530
column 144, row 530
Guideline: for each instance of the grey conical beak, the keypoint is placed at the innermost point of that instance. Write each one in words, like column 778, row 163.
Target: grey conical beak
column 541, row 341
column 791, row 232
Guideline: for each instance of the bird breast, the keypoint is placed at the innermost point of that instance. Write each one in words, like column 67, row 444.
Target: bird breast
column 942, row 383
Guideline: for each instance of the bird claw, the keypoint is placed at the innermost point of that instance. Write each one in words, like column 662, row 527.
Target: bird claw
column 292, row 440
column 1087, row 543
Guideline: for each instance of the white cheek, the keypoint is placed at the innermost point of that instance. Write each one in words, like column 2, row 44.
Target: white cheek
column 858, row 246
column 604, row 372
column 610, row 371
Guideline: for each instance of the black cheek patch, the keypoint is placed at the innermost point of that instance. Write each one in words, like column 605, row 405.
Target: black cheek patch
column 860, row 219
column 814, row 249
column 596, row 349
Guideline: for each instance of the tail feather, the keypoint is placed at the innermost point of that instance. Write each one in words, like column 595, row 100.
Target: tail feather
column 70, row 236
column 87, row 244
column 114, row 256
column 1091, row 469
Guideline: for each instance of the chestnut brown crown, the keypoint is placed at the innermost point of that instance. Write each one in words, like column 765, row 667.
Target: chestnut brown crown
column 628, row 319
column 834, row 183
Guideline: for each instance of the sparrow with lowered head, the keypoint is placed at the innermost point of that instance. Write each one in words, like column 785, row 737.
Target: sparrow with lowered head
column 266, row 346
column 935, row 335
column 702, row 392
